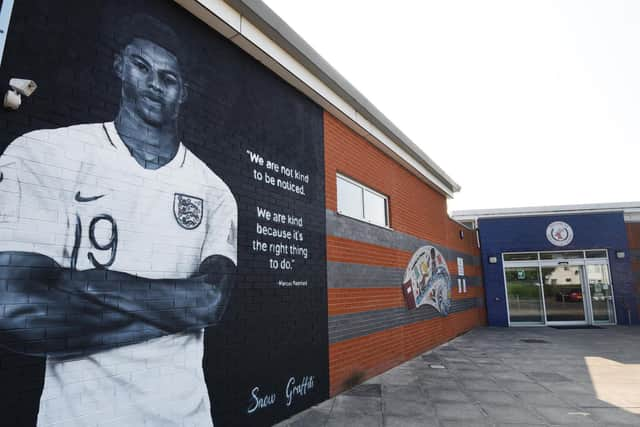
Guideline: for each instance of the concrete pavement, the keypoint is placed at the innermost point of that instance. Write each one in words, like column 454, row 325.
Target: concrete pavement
column 501, row 377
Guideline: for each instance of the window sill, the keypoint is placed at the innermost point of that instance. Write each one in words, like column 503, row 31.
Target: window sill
column 364, row 221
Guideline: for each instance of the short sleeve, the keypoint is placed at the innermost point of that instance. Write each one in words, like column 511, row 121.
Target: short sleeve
column 9, row 190
column 20, row 168
column 222, row 229
column 32, row 215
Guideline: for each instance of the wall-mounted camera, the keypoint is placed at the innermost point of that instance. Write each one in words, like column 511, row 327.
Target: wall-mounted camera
column 19, row 87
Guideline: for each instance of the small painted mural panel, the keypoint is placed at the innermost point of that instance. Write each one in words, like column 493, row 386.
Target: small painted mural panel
column 427, row 280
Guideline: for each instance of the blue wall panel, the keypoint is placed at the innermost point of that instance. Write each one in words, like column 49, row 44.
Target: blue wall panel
column 526, row 234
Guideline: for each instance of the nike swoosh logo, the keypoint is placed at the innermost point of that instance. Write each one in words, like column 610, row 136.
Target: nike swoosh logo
column 79, row 198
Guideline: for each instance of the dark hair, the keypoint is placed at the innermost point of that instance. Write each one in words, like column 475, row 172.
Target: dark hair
column 149, row 28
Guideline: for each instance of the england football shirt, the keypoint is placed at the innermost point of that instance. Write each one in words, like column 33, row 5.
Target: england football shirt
column 77, row 195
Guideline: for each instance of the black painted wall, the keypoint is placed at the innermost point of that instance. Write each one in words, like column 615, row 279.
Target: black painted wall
column 271, row 332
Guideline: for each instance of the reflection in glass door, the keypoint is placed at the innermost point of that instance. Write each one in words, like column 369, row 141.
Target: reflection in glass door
column 601, row 293
column 572, row 287
column 563, row 293
column 524, row 295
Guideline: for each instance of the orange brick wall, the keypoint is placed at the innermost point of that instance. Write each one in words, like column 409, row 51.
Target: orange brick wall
column 345, row 250
column 415, row 209
column 373, row 354
column 633, row 234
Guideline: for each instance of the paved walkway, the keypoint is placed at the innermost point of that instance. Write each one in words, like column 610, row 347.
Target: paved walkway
column 501, row 377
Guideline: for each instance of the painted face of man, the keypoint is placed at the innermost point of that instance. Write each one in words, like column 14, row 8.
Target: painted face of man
column 152, row 84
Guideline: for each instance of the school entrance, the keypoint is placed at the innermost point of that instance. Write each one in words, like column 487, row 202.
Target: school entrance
column 559, row 288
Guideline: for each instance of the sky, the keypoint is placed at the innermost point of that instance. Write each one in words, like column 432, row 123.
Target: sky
column 522, row 103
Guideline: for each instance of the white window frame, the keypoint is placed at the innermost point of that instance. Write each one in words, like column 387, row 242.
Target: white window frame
column 371, row 191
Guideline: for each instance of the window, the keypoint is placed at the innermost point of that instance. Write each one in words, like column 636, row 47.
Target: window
column 357, row 201
column 562, row 255
column 526, row 256
column 596, row 254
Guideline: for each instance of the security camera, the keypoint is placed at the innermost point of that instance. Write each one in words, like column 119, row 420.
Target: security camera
column 23, row 86
column 12, row 99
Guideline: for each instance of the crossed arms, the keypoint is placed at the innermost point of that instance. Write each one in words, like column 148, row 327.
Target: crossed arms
column 49, row 310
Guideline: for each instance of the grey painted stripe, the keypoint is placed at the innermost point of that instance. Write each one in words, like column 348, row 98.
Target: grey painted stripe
column 348, row 275
column 352, row 229
column 347, row 326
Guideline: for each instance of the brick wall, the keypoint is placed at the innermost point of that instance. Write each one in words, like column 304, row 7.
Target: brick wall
column 633, row 234
column 370, row 328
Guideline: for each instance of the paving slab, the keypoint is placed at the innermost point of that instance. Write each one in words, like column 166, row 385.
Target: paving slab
column 357, row 405
column 409, row 421
column 519, row 425
column 439, row 384
column 465, row 423
column 458, row 411
column 342, row 420
column 449, row 395
column 566, row 416
column 520, row 386
column 494, row 397
column 613, row 416
column 311, row 418
column 547, row 399
column 482, row 384
column 365, row 390
column 408, row 408
column 510, row 414
column 511, row 375
column 491, row 377
column 473, row 374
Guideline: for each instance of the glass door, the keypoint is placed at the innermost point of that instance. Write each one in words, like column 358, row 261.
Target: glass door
column 570, row 287
column 601, row 293
column 563, row 293
column 524, row 295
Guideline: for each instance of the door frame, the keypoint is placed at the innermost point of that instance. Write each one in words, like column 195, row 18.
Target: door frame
column 586, row 289
column 598, row 261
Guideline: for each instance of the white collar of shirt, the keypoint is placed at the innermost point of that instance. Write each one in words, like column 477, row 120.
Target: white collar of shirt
column 116, row 141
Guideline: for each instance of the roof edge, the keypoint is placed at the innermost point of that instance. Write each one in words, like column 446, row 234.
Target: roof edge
column 267, row 21
column 631, row 210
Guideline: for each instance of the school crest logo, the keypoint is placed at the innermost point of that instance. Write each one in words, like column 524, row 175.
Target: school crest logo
column 187, row 210
column 559, row 233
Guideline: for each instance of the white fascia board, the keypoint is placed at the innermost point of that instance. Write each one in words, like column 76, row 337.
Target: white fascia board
column 237, row 28
column 215, row 13
column 630, row 209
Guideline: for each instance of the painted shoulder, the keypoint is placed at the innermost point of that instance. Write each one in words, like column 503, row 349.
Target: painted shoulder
column 201, row 172
column 48, row 144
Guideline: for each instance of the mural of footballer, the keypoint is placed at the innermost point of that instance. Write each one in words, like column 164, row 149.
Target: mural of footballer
column 117, row 247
